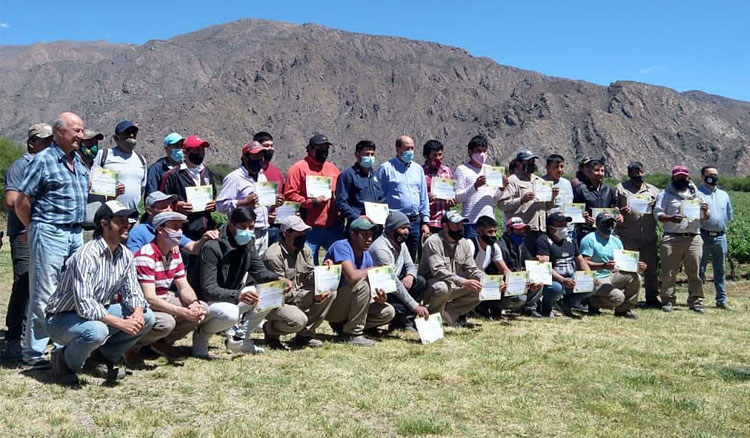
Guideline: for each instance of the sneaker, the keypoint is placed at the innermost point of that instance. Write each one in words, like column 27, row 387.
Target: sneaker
column 667, row 307
column 723, row 306
column 594, row 311
column 698, row 308
column 38, row 364
column 357, row 340
column 242, row 346
column 303, row 341
column 13, row 352
column 583, row 308
column 626, row 314
column 200, row 344
column 276, row 344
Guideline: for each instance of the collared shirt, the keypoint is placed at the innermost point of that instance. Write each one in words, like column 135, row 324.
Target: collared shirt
column 720, row 207
column 273, row 173
column 405, row 188
column 437, row 206
column 636, row 227
column 143, row 233
column 296, row 266
column 14, row 176
column 295, row 189
column 384, row 254
column 151, row 266
column 176, row 182
column 238, row 184
column 132, row 171
column 600, row 250
column 669, row 202
column 91, row 278
column 448, row 262
column 58, row 195
column 155, row 175
column 354, row 188
column 533, row 213
column 564, row 196
column 475, row 202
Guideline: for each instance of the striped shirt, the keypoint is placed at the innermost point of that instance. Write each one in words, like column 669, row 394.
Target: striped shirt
column 437, row 206
column 92, row 277
column 58, row 195
column 153, row 267
column 475, row 203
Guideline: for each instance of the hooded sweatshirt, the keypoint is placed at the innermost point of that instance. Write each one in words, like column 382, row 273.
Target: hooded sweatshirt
column 669, row 202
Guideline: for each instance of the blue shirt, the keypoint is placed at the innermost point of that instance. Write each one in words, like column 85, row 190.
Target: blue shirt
column 600, row 250
column 720, row 207
column 13, row 178
column 155, row 175
column 354, row 188
column 143, row 233
column 58, row 195
column 405, row 188
column 342, row 251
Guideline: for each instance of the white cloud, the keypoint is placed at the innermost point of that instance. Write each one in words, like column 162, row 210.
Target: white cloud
column 4, row 26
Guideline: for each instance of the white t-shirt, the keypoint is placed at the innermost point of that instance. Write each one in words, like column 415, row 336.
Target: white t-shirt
column 132, row 173
column 475, row 203
column 482, row 258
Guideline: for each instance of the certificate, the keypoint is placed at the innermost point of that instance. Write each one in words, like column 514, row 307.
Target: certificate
column 270, row 296
column 517, row 282
column 104, row 181
column 543, row 191
column 443, row 188
column 595, row 212
column 430, row 329
column 377, row 213
column 626, row 261
column 199, row 196
column 584, row 281
column 319, row 186
column 494, row 176
column 383, row 277
column 639, row 204
column 287, row 209
column 691, row 209
column 327, row 278
column 539, row 272
column 575, row 211
column 491, row 288
column 266, row 192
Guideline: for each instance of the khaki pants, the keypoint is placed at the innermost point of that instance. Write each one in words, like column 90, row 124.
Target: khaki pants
column 619, row 291
column 675, row 250
column 449, row 300
column 354, row 307
column 169, row 328
column 302, row 315
column 650, row 256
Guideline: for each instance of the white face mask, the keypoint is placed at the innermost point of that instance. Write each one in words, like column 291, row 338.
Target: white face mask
column 173, row 236
column 560, row 233
column 480, row 157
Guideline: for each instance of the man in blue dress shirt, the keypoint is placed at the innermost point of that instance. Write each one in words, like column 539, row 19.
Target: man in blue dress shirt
column 358, row 184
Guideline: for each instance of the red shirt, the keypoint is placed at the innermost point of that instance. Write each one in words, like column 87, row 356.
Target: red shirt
column 152, row 267
column 323, row 215
column 273, row 173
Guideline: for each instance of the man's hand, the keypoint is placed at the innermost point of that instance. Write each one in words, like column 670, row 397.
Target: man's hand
column 609, row 265
column 289, row 284
column 589, row 219
column 625, row 210
column 119, row 189
column 184, row 207
column 189, row 314
column 211, row 205
column 320, row 200
column 542, row 258
column 426, row 231
column 527, row 197
column 250, row 200
column 481, row 180
column 619, row 219
column 210, row 235
column 472, row 285
column 380, row 296
column 128, row 325
column 137, row 315
column 422, row 312
column 248, row 297
column 321, row 296
column 569, row 283
column 677, row 218
column 505, row 181
column 328, row 262
column 533, row 287
column 555, row 192
column 452, row 202
column 279, row 200
column 408, row 282
column 642, row 267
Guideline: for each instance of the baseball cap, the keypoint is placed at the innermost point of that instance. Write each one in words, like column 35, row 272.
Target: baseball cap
column 40, row 130
column 604, row 217
column 294, row 223
column 172, row 139
column 454, row 217
column 158, row 196
column 361, row 224
column 318, row 139
column 166, row 216
column 193, row 141
column 111, row 209
column 525, row 155
column 635, row 165
column 557, row 217
column 395, row 219
column 584, row 161
column 680, row 170
column 90, row 134
column 124, row 126
column 517, row 223
column 253, row 147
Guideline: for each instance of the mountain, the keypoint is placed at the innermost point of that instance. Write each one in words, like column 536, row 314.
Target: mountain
column 225, row 82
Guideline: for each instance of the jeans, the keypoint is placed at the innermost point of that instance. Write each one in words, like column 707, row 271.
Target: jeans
column 49, row 249
column 556, row 289
column 19, row 297
column 470, row 231
column 323, row 238
column 715, row 247
column 82, row 336
column 414, row 242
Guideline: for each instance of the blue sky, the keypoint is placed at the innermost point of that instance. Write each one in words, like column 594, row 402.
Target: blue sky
column 684, row 45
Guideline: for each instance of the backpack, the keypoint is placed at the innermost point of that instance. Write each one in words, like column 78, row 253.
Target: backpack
column 105, row 151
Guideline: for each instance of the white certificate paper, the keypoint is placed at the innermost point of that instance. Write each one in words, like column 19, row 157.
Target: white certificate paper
column 494, row 176
column 584, row 281
column 327, row 278
column 383, row 277
column 543, row 191
column 691, row 209
column 266, row 192
column 575, row 212
column 430, row 329
column 443, row 188
column 104, row 181
column 539, row 272
column 199, row 196
column 626, row 261
column 596, row 211
column 491, row 288
column 639, row 204
column 517, row 283
column 377, row 213
column 319, row 186
column 270, row 296
column 287, row 209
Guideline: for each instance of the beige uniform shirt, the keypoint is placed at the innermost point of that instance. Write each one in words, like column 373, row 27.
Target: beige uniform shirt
column 533, row 212
column 448, row 262
column 636, row 227
column 295, row 266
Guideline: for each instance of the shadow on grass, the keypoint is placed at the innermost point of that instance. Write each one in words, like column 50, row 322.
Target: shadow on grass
column 736, row 373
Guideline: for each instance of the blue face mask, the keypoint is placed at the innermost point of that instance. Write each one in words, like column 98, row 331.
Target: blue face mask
column 517, row 239
column 177, row 155
column 407, row 156
column 367, row 162
column 243, row 237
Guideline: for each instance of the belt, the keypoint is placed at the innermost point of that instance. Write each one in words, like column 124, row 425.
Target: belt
column 713, row 233
column 682, row 234
column 412, row 217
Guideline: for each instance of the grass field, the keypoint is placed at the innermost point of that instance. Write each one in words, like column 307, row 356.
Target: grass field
column 665, row 375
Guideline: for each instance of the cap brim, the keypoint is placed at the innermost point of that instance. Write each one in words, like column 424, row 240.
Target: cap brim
column 302, row 229
column 681, row 173
column 520, row 226
column 129, row 212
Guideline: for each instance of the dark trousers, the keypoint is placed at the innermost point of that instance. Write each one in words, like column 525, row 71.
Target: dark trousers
column 414, row 242
column 404, row 314
column 19, row 297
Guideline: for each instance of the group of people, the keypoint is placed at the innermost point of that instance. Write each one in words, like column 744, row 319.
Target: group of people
column 107, row 283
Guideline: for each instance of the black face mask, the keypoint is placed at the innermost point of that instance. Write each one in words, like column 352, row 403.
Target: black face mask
column 254, row 166
column 400, row 238
column 196, row 159
column 712, row 180
column 681, row 184
column 456, row 235
column 268, row 155
column 321, row 156
column 299, row 241
column 606, row 229
column 530, row 168
column 489, row 240
column 637, row 179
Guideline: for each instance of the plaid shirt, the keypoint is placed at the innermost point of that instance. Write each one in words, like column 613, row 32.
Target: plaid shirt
column 437, row 206
column 58, row 195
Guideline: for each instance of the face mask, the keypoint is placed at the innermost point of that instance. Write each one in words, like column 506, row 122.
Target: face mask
column 254, row 166
column 516, row 239
column 681, row 184
column 177, row 155
column 530, row 168
column 367, row 162
column 299, row 241
column 242, row 237
column 130, row 142
column 321, row 156
column 401, row 238
column 268, row 155
column 407, row 156
column 637, row 179
column 560, row 233
column 196, row 158
column 457, row 234
column 173, row 237
column 712, row 180
column 480, row 157
column 435, row 164
column 489, row 240
column 90, row 151
column 606, row 229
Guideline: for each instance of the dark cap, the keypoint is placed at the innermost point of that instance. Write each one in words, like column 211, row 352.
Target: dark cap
column 584, row 161
column 635, row 165
column 111, row 209
column 318, row 139
column 557, row 217
column 124, row 126
column 603, row 218
column 525, row 155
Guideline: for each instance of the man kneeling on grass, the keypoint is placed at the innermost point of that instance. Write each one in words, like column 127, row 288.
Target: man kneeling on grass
column 79, row 314
column 158, row 265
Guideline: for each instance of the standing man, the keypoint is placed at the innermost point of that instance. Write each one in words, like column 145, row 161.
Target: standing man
column 434, row 168
column 273, row 173
column 358, row 184
column 681, row 241
column 713, row 231
column 638, row 231
column 173, row 156
column 40, row 136
column 555, row 169
column 51, row 204
column 405, row 190
column 321, row 212
column 595, row 194
column 129, row 163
